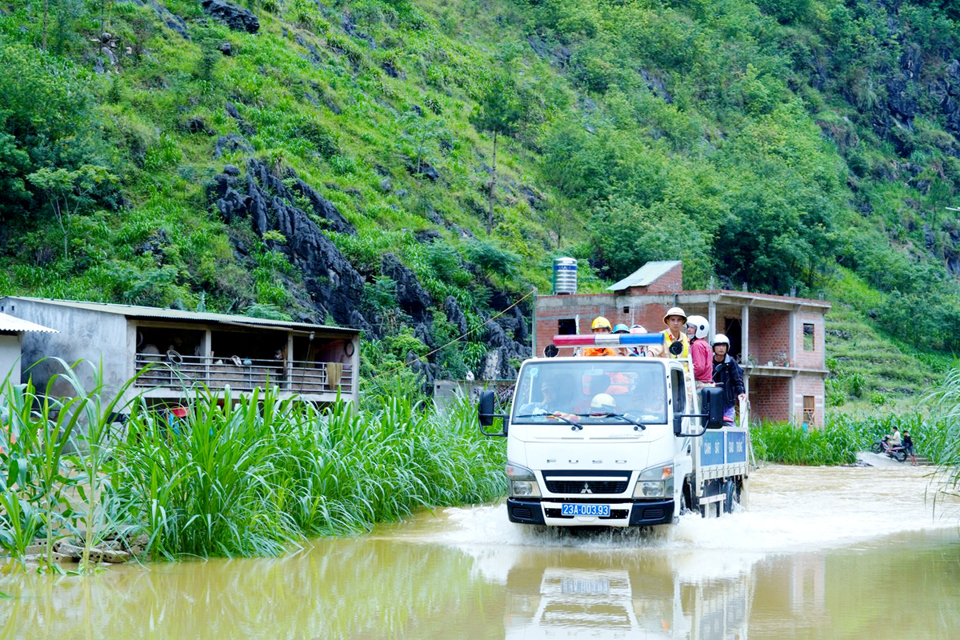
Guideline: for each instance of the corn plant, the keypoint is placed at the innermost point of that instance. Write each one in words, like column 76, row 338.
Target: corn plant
column 36, row 435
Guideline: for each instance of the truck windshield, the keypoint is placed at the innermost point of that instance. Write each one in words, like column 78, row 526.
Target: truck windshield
column 595, row 390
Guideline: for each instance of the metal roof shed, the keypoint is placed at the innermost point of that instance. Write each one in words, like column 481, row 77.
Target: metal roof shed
column 11, row 341
column 177, row 352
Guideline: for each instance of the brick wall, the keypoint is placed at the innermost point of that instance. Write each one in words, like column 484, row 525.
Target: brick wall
column 769, row 398
column 809, row 385
column 814, row 359
column 769, row 336
column 670, row 282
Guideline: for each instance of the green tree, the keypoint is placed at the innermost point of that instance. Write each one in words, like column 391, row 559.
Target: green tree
column 499, row 112
column 67, row 191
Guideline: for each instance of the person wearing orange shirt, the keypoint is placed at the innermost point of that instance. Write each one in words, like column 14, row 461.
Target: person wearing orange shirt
column 600, row 326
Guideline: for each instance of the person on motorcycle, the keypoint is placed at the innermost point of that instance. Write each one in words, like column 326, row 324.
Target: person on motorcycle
column 895, row 440
column 600, row 326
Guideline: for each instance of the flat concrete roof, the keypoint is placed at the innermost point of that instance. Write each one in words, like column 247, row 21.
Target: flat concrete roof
column 645, row 275
column 155, row 313
column 719, row 296
column 18, row 325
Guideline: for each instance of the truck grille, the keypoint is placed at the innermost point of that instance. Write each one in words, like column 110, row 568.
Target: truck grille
column 586, row 482
column 591, row 486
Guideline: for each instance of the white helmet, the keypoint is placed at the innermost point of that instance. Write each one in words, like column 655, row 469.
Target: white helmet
column 603, row 402
column 637, row 328
column 674, row 311
column 721, row 339
column 703, row 327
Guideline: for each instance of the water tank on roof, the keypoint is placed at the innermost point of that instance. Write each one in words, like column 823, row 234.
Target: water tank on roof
column 564, row 276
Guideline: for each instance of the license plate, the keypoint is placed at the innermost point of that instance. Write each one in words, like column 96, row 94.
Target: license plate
column 581, row 587
column 601, row 510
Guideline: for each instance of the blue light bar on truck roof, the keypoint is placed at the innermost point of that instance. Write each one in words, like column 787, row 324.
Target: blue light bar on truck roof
column 608, row 340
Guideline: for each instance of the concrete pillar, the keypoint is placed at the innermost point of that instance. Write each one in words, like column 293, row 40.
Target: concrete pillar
column 207, row 354
column 745, row 345
column 794, row 416
column 712, row 319
column 288, row 364
column 745, row 338
column 792, row 333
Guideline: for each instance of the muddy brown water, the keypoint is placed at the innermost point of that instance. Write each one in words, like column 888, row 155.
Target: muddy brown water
column 821, row 553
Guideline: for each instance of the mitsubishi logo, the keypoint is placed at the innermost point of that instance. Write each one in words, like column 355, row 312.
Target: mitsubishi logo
column 586, row 488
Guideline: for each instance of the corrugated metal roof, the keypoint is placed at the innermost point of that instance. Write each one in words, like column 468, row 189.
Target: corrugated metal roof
column 133, row 311
column 645, row 275
column 10, row 323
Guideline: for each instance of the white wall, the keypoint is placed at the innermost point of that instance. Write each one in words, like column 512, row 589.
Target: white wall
column 84, row 335
column 10, row 357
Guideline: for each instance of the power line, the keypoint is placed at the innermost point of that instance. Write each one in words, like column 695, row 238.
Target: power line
column 461, row 337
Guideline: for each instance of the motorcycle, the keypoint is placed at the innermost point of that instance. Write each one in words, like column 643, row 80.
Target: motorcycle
column 898, row 453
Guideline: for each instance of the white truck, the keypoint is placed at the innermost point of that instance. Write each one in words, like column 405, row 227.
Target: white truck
column 659, row 449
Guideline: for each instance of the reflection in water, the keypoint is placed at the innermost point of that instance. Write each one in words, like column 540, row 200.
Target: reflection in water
column 645, row 596
column 469, row 573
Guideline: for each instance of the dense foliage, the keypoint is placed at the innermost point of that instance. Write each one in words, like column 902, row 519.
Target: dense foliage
column 782, row 144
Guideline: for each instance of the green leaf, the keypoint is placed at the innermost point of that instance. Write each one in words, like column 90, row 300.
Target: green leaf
column 13, row 472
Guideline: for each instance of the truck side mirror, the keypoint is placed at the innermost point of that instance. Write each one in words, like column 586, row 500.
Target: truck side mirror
column 486, row 408
column 486, row 415
column 711, row 404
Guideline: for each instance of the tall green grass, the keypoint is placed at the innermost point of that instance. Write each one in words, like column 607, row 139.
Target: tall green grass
column 946, row 403
column 847, row 433
column 238, row 476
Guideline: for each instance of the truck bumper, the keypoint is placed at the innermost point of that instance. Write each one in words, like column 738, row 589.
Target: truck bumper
column 638, row 514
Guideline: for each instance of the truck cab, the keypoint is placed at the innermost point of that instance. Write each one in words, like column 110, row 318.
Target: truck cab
column 616, row 442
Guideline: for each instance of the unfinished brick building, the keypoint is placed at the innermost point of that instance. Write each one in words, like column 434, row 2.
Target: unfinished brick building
column 777, row 339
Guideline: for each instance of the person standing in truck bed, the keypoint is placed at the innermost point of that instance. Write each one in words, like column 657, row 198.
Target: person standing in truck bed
column 675, row 319
column 727, row 374
column 700, row 351
column 600, row 325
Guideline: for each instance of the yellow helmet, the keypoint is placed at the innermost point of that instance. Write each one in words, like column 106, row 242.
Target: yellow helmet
column 600, row 323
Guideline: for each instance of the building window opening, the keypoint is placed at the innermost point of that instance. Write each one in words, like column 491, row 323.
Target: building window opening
column 809, row 344
column 567, row 327
column 809, row 409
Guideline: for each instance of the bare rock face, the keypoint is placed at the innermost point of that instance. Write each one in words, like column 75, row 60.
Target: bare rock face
column 413, row 298
column 234, row 17
column 332, row 282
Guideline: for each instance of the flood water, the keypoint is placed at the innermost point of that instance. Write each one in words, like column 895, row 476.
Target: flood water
column 821, row 553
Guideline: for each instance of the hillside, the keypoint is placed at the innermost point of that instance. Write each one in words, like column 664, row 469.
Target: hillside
column 333, row 161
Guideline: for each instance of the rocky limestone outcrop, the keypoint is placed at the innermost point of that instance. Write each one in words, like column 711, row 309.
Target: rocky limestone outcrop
column 455, row 315
column 333, row 284
column 498, row 363
column 412, row 297
column 236, row 18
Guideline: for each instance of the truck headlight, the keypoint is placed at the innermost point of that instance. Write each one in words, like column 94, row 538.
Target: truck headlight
column 655, row 482
column 522, row 483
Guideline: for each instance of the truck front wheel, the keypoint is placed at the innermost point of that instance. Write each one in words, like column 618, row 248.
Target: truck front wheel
column 689, row 501
column 729, row 496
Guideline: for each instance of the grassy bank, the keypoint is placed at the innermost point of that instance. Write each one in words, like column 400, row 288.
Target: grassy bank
column 251, row 477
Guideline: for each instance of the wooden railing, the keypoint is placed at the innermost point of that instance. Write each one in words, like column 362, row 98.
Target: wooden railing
column 243, row 374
